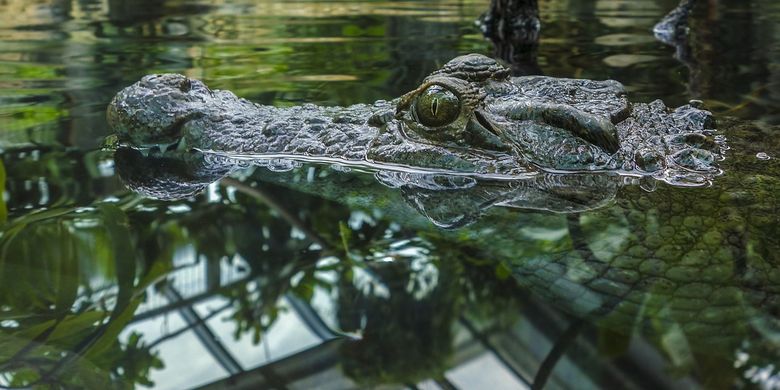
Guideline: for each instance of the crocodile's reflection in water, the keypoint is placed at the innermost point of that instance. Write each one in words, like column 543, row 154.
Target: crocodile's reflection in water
column 447, row 200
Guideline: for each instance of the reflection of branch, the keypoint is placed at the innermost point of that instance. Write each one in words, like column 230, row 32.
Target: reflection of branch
column 187, row 327
column 39, row 339
column 205, row 335
column 479, row 336
column 444, row 383
column 578, row 238
column 188, row 301
column 313, row 321
column 513, row 26
column 272, row 203
column 673, row 28
column 558, row 349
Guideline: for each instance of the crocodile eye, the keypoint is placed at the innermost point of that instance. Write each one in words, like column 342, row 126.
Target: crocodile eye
column 436, row 106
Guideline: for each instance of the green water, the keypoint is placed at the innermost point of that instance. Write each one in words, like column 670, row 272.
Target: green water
column 325, row 278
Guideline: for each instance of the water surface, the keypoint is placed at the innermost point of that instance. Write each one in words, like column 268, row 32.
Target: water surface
column 324, row 277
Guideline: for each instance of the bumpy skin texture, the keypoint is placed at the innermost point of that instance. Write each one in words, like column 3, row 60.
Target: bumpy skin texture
column 170, row 108
column 500, row 125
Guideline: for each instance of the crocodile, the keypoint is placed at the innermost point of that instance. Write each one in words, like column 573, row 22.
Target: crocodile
column 699, row 264
column 467, row 117
column 703, row 262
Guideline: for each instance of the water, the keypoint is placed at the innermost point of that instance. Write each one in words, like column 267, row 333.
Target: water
column 329, row 278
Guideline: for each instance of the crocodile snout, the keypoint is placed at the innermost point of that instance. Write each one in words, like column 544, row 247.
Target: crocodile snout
column 152, row 111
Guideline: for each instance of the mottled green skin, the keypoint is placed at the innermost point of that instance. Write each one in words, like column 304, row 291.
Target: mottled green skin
column 504, row 126
column 701, row 261
column 704, row 259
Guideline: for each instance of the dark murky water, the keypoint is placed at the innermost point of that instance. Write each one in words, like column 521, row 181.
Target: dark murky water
column 321, row 277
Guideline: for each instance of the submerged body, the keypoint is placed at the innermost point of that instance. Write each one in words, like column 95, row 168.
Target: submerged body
column 696, row 262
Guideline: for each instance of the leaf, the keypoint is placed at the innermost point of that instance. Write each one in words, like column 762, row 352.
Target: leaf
column 107, row 336
column 118, row 228
column 503, row 271
column 68, row 276
column 119, row 319
column 76, row 324
column 611, row 343
column 3, row 209
column 346, row 235
column 69, row 326
column 36, row 216
column 675, row 344
column 49, row 331
column 10, row 345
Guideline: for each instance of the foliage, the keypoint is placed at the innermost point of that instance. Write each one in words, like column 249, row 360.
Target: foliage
column 73, row 268
column 59, row 322
column 3, row 208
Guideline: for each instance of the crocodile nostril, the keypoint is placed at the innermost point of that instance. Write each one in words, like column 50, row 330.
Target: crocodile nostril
column 695, row 159
column 186, row 85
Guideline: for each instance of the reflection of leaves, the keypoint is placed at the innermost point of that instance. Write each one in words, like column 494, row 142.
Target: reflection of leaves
column 44, row 282
column 37, row 117
column 611, row 343
column 67, row 276
column 122, row 314
column 406, row 335
column 253, row 313
column 118, row 229
column 41, row 275
column 67, row 178
column 346, row 236
column 137, row 360
column 3, row 209
column 70, row 326
column 24, row 376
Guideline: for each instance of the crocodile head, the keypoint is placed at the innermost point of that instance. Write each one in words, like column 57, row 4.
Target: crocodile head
column 469, row 116
column 472, row 115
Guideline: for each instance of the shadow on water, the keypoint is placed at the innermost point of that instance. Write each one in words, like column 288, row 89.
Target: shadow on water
column 341, row 278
